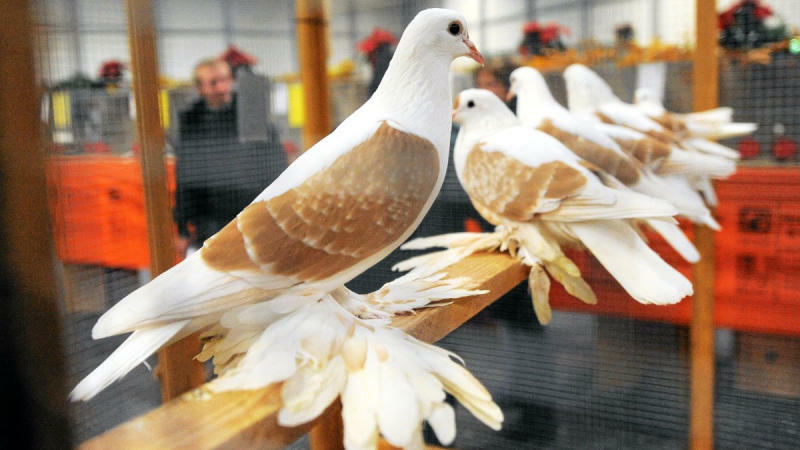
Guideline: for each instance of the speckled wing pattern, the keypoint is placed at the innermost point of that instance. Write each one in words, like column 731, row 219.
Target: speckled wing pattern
column 514, row 190
column 349, row 211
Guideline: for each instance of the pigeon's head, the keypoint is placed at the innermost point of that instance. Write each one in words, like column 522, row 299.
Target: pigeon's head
column 479, row 106
column 530, row 81
column 585, row 89
column 441, row 31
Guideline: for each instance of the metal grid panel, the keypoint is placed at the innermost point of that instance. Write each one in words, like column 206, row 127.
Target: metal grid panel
column 612, row 382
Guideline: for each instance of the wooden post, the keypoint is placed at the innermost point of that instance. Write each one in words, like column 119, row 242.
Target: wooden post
column 701, row 334
column 312, row 46
column 177, row 370
column 34, row 375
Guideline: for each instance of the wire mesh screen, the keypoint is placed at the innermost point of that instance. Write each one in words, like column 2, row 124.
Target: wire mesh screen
column 601, row 377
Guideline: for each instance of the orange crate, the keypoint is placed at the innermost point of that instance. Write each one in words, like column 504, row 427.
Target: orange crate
column 97, row 205
column 757, row 286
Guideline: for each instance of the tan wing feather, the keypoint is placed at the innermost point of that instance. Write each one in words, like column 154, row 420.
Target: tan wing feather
column 516, row 191
column 356, row 207
column 649, row 151
column 605, row 158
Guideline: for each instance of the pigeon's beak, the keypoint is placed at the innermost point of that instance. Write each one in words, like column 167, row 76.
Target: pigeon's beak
column 511, row 94
column 473, row 52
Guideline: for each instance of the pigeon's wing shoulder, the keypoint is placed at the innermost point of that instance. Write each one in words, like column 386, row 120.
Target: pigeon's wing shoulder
column 358, row 205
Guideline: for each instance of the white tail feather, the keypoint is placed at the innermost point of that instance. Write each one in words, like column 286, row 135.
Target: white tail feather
column 676, row 239
column 628, row 205
column 712, row 148
column 722, row 114
column 699, row 164
column 677, row 192
column 189, row 289
column 132, row 352
column 640, row 271
column 721, row 130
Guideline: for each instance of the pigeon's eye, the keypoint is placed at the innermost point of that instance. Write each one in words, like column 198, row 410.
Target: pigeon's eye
column 470, row 104
column 454, row 28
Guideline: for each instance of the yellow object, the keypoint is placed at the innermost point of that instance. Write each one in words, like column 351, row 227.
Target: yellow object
column 163, row 107
column 297, row 106
column 344, row 68
column 62, row 114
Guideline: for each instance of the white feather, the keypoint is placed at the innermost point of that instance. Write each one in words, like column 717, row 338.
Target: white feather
column 640, row 271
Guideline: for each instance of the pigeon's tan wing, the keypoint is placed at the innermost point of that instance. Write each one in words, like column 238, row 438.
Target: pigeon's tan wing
column 339, row 216
column 506, row 187
column 608, row 160
column 647, row 150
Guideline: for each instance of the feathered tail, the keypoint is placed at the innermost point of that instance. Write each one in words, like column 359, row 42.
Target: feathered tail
column 696, row 164
column 640, row 271
column 710, row 130
column 126, row 357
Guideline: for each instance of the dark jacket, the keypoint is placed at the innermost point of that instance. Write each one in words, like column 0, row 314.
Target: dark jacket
column 217, row 176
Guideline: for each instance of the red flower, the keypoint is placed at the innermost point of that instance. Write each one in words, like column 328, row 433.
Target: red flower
column 375, row 39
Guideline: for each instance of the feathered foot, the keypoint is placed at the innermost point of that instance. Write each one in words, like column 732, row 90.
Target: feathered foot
column 522, row 241
column 389, row 382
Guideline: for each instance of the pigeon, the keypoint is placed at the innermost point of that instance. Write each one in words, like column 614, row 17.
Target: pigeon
column 342, row 206
column 712, row 124
column 590, row 96
column 536, row 107
column 521, row 178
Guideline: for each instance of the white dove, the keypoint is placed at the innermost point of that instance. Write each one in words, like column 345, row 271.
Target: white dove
column 536, row 107
column 712, row 124
column 524, row 179
column 341, row 207
column 589, row 95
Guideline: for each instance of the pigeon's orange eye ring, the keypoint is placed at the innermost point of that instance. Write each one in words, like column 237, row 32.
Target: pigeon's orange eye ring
column 454, row 28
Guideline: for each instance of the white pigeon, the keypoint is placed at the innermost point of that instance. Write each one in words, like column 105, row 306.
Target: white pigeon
column 536, row 107
column 341, row 207
column 589, row 95
column 522, row 178
column 712, row 124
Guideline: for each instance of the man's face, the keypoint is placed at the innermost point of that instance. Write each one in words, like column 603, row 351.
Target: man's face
column 485, row 80
column 215, row 84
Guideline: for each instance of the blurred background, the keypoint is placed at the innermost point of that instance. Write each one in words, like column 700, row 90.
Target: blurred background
column 611, row 376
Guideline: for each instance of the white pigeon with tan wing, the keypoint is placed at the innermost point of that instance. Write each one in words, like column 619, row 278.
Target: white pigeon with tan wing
column 589, row 95
column 341, row 207
column 524, row 179
column 536, row 107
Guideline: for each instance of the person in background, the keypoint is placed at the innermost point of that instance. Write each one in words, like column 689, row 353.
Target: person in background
column 217, row 175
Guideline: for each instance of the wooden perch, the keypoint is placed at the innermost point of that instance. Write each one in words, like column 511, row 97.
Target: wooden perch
column 201, row 419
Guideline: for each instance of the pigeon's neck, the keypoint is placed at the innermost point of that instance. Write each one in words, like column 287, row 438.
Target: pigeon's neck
column 534, row 106
column 415, row 92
